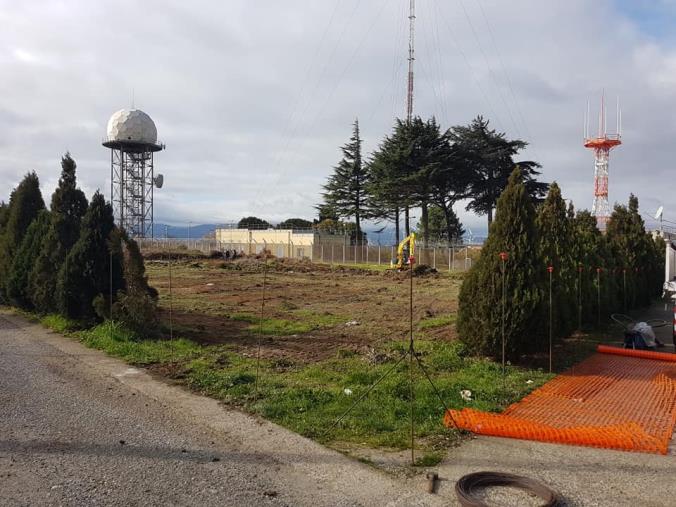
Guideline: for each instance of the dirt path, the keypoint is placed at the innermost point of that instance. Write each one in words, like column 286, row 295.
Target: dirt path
column 81, row 428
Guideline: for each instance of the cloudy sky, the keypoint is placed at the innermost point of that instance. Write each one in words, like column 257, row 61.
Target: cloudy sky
column 254, row 97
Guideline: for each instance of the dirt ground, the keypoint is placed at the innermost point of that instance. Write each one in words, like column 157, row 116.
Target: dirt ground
column 311, row 310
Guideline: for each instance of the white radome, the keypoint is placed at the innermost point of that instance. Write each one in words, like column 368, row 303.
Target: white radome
column 132, row 125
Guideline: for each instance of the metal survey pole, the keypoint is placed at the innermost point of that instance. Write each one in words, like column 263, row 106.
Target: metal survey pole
column 503, row 258
column 579, row 297
column 550, row 269
column 624, row 289
column 598, row 297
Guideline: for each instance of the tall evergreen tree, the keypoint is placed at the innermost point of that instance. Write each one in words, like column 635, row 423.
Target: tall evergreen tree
column 136, row 305
column 491, row 160
column 345, row 192
column 556, row 237
column 590, row 253
column 85, row 274
column 24, row 206
column 633, row 248
column 68, row 206
column 18, row 289
column 480, row 303
column 4, row 215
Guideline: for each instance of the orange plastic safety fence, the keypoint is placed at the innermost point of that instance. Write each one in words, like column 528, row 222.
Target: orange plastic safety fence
column 609, row 400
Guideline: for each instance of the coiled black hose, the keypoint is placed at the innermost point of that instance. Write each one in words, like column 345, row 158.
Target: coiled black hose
column 469, row 484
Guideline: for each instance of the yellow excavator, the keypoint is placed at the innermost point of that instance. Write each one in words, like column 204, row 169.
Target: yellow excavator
column 405, row 253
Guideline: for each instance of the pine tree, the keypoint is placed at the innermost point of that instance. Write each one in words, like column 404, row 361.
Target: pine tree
column 18, row 290
column 24, row 206
column 555, row 233
column 491, row 158
column 346, row 190
column 85, row 274
column 480, row 305
column 68, row 206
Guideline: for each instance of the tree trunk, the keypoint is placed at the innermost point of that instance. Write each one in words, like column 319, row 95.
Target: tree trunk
column 425, row 222
column 397, row 233
column 357, row 222
column 449, row 228
column 407, row 222
column 490, row 218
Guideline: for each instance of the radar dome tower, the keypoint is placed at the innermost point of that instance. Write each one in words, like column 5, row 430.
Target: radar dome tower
column 132, row 139
column 602, row 144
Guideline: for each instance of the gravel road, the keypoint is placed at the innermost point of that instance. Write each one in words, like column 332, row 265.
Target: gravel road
column 80, row 428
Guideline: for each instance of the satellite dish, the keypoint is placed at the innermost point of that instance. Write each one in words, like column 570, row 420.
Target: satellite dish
column 159, row 180
column 658, row 215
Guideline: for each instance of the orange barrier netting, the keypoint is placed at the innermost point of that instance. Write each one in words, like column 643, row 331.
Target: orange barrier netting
column 618, row 400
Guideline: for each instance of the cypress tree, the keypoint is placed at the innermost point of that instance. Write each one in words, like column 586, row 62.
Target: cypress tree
column 590, row 253
column 85, row 274
column 18, row 290
column 24, row 206
column 555, row 233
column 68, row 206
column 480, row 304
column 136, row 306
column 4, row 215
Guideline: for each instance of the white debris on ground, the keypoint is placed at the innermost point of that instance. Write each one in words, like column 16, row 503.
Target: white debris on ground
column 466, row 395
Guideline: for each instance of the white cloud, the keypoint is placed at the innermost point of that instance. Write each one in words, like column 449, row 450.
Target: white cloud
column 253, row 99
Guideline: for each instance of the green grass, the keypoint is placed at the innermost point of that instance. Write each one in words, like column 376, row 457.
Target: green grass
column 58, row 323
column 439, row 321
column 308, row 321
column 309, row 398
column 117, row 342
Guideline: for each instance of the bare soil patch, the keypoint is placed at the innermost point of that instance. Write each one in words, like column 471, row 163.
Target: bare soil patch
column 317, row 308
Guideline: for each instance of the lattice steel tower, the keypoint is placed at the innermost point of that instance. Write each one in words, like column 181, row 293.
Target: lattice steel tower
column 132, row 139
column 602, row 144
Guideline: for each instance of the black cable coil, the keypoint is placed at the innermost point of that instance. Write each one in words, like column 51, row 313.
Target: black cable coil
column 468, row 485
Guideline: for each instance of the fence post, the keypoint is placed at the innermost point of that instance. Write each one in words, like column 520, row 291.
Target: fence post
column 378, row 254
column 466, row 256
column 332, row 253
column 434, row 258
column 355, row 253
column 322, row 245
column 343, row 252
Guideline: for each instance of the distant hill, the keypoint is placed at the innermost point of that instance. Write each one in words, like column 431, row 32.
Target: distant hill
column 196, row 231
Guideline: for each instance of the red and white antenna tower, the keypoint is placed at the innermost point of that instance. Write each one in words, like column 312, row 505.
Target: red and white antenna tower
column 602, row 144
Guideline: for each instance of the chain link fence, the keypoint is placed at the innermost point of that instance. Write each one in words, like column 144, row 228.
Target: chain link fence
column 458, row 257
